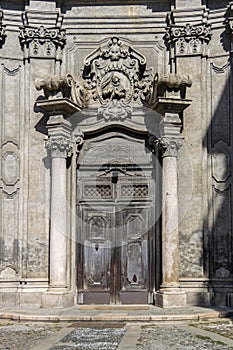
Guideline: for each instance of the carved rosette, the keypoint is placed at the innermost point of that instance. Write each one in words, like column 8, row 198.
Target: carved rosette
column 170, row 146
column 42, row 42
column 59, row 147
column 188, row 39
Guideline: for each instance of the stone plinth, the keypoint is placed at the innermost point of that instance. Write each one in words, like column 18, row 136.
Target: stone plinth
column 171, row 298
column 57, row 299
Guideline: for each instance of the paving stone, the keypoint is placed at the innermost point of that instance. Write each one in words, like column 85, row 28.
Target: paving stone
column 90, row 338
column 175, row 338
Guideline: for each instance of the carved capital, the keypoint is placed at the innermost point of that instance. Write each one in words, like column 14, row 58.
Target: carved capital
column 170, row 146
column 188, row 39
column 41, row 41
column 59, row 147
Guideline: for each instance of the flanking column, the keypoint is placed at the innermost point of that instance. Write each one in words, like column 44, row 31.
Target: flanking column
column 169, row 294
column 58, row 213
column 58, row 145
column 170, row 102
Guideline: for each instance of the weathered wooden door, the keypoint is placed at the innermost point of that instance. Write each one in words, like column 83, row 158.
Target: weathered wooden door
column 114, row 221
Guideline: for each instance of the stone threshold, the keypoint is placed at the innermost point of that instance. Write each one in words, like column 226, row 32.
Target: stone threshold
column 76, row 314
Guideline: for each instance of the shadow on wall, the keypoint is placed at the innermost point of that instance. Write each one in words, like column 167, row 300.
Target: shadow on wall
column 218, row 224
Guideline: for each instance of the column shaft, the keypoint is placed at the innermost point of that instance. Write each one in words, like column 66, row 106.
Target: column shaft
column 170, row 234
column 58, row 234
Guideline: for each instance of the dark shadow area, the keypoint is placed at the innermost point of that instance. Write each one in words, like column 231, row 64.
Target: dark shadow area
column 155, row 6
column 41, row 125
column 217, row 227
column 219, row 4
column 13, row 5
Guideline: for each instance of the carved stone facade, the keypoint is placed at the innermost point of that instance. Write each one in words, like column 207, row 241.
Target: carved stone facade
column 116, row 153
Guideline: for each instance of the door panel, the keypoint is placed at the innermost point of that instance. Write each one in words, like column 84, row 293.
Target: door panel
column 113, row 262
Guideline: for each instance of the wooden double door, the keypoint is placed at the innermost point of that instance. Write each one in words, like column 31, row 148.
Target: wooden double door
column 113, row 254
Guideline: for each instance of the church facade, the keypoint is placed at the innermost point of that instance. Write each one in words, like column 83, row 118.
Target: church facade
column 116, row 152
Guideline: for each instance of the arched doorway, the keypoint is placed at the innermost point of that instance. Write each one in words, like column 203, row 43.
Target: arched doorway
column 115, row 210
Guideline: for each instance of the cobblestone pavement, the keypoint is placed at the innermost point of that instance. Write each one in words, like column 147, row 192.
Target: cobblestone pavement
column 183, row 337
column 212, row 335
column 89, row 338
column 25, row 335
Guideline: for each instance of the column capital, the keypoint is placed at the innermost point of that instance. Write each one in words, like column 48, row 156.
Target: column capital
column 170, row 146
column 59, row 147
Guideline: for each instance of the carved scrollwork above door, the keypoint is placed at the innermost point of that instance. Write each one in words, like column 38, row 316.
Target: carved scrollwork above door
column 115, row 79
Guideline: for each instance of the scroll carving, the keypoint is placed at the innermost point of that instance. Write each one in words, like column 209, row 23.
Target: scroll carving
column 170, row 146
column 42, row 42
column 116, row 76
column 59, row 147
column 115, row 79
column 188, row 39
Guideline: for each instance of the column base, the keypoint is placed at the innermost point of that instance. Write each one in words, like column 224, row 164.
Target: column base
column 57, row 299
column 170, row 298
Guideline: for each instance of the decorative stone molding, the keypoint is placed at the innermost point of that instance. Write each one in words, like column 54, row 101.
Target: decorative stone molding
column 42, row 42
column 115, row 79
column 115, row 75
column 188, row 39
column 170, row 146
column 10, row 164
column 59, row 147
